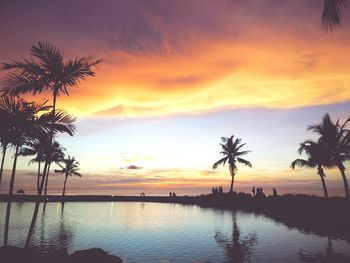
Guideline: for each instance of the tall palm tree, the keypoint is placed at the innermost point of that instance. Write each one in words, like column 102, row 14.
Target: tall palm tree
column 231, row 149
column 55, row 154
column 46, row 71
column 41, row 149
column 335, row 139
column 70, row 167
column 317, row 157
column 5, row 137
column 22, row 119
column 63, row 123
column 36, row 147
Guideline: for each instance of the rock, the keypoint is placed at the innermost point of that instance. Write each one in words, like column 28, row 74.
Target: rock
column 93, row 255
column 27, row 255
column 18, row 255
column 57, row 256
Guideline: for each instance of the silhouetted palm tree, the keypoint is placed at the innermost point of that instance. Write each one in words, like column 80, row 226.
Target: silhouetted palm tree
column 70, row 167
column 47, row 71
column 23, row 123
column 36, row 147
column 318, row 157
column 62, row 123
column 335, row 138
column 5, row 137
column 56, row 155
column 231, row 149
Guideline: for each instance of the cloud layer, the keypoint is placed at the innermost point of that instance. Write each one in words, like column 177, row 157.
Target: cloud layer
column 166, row 57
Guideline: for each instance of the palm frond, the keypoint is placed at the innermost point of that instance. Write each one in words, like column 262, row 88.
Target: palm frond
column 332, row 14
column 221, row 161
column 302, row 163
column 245, row 162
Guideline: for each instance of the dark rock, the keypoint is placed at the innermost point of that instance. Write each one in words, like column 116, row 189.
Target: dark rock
column 11, row 254
column 57, row 256
column 93, row 255
column 18, row 255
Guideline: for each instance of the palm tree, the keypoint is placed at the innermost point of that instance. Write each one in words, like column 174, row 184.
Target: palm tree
column 36, row 147
column 335, row 138
column 26, row 121
column 231, row 149
column 4, row 137
column 70, row 168
column 40, row 148
column 55, row 154
column 47, row 71
column 318, row 157
column 22, row 125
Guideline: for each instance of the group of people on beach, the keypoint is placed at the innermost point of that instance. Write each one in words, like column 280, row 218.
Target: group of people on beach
column 259, row 192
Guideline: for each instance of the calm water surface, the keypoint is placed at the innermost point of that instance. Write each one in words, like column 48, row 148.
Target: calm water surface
column 153, row 232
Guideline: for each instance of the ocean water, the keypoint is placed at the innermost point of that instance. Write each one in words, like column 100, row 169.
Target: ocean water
column 156, row 232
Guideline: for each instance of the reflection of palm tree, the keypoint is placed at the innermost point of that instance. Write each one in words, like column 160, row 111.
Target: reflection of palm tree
column 232, row 154
column 70, row 168
column 335, row 138
column 317, row 158
column 329, row 256
column 237, row 249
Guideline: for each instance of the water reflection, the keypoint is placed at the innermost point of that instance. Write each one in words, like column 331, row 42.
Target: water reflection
column 236, row 248
column 328, row 256
column 140, row 232
column 53, row 235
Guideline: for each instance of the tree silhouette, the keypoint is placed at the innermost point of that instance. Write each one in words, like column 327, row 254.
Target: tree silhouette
column 317, row 157
column 55, row 154
column 46, row 71
column 36, row 147
column 5, row 137
column 335, row 138
column 70, row 167
column 231, row 149
column 23, row 123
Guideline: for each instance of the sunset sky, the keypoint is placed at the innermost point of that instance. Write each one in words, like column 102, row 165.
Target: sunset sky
column 176, row 76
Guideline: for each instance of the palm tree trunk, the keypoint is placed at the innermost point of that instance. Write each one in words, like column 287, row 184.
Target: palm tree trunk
column 38, row 178
column 232, row 179
column 37, row 204
column 47, row 179
column 8, row 209
column 2, row 163
column 324, row 186
column 64, row 186
column 36, row 208
column 346, row 186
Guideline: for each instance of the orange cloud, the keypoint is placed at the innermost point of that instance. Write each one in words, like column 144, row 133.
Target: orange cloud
column 216, row 74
